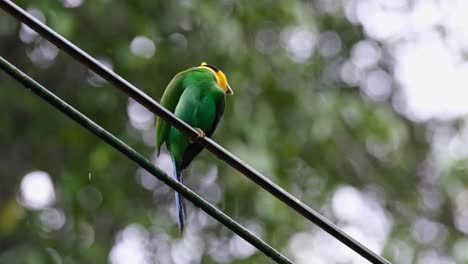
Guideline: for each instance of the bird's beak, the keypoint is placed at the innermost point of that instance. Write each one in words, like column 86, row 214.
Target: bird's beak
column 229, row 90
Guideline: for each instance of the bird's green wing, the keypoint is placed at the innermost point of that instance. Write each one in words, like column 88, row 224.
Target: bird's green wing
column 194, row 149
column 219, row 113
column 169, row 101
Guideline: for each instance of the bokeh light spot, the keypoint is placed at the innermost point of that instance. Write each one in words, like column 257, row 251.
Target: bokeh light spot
column 37, row 190
column 140, row 117
column 142, row 46
column 299, row 42
column 72, row 3
column 52, row 219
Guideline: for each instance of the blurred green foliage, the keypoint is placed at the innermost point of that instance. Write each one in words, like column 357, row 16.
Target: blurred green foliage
column 292, row 118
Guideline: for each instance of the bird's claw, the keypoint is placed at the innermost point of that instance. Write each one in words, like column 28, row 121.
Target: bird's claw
column 201, row 133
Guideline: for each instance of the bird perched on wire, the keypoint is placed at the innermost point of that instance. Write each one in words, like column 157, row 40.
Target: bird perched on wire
column 197, row 96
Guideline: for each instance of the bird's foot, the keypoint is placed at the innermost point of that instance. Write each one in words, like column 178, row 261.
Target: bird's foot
column 201, row 133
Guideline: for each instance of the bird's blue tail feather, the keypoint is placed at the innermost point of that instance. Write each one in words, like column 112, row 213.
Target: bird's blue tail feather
column 179, row 199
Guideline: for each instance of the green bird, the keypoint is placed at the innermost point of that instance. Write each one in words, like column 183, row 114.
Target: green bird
column 197, row 96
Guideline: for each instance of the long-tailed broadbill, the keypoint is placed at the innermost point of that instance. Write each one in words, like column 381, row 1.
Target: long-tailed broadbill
column 197, row 96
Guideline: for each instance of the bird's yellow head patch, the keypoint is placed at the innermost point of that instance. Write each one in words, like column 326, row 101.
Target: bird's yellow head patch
column 220, row 78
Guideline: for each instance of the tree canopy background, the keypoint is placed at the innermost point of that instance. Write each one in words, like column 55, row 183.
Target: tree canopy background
column 352, row 106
